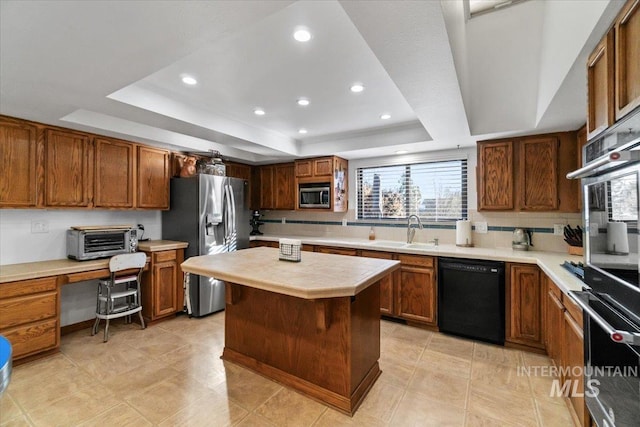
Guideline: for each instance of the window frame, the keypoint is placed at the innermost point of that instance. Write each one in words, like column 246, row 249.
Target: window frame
column 464, row 180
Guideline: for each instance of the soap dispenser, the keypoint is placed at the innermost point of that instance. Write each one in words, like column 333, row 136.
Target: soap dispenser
column 372, row 234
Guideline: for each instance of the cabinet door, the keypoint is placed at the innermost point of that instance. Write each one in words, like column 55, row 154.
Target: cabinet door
column 18, row 181
column 323, row 167
column 68, row 174
column 266, row 188
column 153, row 178
column 538, row 174
column 336, row 251
column 386, row 284
column 283, row 178
column 600, row 87
column 627, row 59
column 165, row 298
column 495, row 176
column 114, row 177
column 525, row 322
column 416, row 294
column 581, row 141
column 304, row 169
column 573, row 355
column 555, row 319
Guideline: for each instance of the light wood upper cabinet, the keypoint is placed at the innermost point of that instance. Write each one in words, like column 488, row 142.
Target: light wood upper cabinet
column 495, row 175
column 18, row 179
column 68, row 171
column 277, row 186
column 538, row 174
column 528, row 173
column 320, row 167
column 284, row 191
column 600, row 93
column 627, row 59
column 153, row 178
column 114, row 173
column 330, row 170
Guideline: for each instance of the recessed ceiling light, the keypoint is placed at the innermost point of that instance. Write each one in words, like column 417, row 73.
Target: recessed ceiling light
column 188, row 80
column 303, row 102
column 357, row 87
column 302, row 131
column 258, row 112
column 302, row 35
column 385, row 116
column 402, row 152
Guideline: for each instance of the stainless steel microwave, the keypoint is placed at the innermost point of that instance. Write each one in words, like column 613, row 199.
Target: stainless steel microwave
column 85, row 243
column 314, row 196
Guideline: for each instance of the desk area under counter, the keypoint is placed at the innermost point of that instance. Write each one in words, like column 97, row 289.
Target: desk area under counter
column 30, row 294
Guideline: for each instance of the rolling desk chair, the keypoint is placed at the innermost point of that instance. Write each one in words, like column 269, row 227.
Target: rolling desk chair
column 119, row 295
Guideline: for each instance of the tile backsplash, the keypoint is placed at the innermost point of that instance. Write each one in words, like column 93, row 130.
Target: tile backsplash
column 499, row 235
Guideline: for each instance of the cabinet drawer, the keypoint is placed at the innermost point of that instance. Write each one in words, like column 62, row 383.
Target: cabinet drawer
column 27, row 287
column 553, row 289
column 417, row 260
column 376, row 254
column 572, row 308
column 164, row 256
column 21, row 310
column 336, row 251
column 33, row 338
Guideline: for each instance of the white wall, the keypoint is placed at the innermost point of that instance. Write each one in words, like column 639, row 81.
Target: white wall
column 19, row 245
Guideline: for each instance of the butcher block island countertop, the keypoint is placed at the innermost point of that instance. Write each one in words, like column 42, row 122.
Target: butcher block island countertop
column 312, row 325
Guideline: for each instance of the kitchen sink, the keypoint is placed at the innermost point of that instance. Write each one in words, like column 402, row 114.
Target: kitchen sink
column 388, row 243
column 419, row 245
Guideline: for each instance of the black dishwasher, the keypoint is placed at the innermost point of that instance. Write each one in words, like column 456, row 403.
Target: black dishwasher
column 471, row 298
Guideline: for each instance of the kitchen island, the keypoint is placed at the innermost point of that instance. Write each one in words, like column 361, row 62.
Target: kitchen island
column 312, row 325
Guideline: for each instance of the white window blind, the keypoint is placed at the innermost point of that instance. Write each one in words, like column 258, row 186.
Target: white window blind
column 435, row 191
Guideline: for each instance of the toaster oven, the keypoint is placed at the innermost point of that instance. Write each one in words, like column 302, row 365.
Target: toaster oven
column 84, row 243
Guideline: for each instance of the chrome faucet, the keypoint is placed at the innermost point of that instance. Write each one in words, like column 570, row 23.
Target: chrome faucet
column 411, row 232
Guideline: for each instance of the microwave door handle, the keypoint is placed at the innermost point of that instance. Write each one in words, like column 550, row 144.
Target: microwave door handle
column 618, row 336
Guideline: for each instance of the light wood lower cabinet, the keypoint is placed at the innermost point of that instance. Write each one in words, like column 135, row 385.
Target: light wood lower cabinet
column 29, row 315
column 163, row 293
column 387, row 284
column 409, row 293
column 525, row 306
column 415, row 298
column 336, row 251
column 565, row 346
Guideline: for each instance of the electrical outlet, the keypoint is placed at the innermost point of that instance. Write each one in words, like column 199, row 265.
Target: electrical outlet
column 558, row 229
column 41, row 226
column 481, row 227
column 284, row 220
column 344, row 222
column 593, row 229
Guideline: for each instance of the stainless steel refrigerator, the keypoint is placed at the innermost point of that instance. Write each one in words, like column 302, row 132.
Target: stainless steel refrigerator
column 211, row 214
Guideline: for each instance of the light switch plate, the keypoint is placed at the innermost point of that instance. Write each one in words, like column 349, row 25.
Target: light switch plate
column 558, row 229
column 41, row 226
column 481, row 227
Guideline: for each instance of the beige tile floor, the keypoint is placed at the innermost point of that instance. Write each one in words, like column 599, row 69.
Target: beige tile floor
column 171, row 374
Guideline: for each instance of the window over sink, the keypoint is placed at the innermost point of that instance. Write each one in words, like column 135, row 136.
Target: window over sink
column 435, row 191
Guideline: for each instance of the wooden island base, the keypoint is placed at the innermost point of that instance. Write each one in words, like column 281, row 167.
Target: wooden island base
column 327, row 349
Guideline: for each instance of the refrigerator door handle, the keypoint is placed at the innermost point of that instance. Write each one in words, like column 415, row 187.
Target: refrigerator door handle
column 227, row 212
column 233, row 211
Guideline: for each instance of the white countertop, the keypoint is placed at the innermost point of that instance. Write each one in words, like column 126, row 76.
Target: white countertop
column 317, row 275
column 549, row 262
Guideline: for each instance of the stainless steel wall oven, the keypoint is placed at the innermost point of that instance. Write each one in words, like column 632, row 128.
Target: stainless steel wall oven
column 611, row 298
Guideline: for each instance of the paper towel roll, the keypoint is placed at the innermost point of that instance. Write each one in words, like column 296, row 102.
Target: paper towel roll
column 617, row 238
column 463, row 233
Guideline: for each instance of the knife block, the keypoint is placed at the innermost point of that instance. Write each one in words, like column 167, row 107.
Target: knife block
column 576, row 250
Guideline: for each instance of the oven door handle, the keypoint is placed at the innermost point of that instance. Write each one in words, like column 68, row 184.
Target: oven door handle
column 616, row 335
